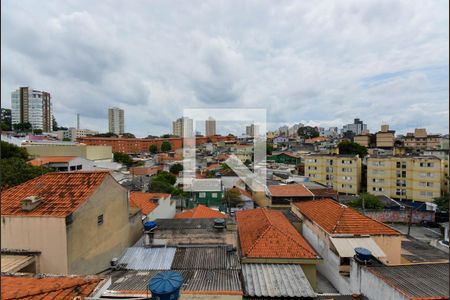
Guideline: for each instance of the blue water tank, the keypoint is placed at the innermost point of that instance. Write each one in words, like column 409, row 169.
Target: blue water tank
column 165, row 285
column 363, row 253
column 149, row 225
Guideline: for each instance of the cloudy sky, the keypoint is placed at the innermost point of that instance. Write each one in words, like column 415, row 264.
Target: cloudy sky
column 317, row 62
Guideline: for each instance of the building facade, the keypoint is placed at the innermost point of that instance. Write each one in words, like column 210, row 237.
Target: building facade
column 421, row 140
column 31, row 106
column 385, row 138
column 415, row 178
column 340, row 172
column 210, row 127
column 116, row 119
column 183, row 127
column 252, row 130
column 74, row 133
column 357, row 127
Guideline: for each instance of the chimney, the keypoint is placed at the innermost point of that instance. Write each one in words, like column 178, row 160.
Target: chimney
column 31, row 202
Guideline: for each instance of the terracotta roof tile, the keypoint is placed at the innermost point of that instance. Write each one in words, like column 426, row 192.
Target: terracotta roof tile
column 43, row 160
column 139, row 171
column 200, row 212
column 289, row 190
column 62, row 193
column 144, row 201
column 336, row 218
column 269, row 234
column 47, row 288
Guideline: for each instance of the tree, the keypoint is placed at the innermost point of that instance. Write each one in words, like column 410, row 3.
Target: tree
column 10, row 150
column 308, row 132
column 269, row 149
column 153, row 149
column 163, row 183
column 347, row 147
column 37, row 131
column 247, row 162
column 128, row 135
column 176, row 168
column 370, row 202
column 15, row 170
column 5, row 119
column 232, row 197
column 123, row 158
column 66, row 140
column 108, row 134
column 24, row 127
column 166, row 177
column 442, row 202
column 166, row 146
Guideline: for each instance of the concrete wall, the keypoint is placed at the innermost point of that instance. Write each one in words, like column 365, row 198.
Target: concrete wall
column 166, row 209
column 99, row 152
column 84, row 151
column 391, row 246
column 400, row 216
column 44, row 234
column 91, row 246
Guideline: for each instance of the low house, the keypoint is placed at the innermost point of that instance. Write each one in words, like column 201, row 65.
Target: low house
column 285, row 158
column 15, row 286
column 284, row 195
column 200, row 212
column 153, row 205
column 76, row 220
column 63, row 163
column 267, row 237
column 334, row 230
column 206, row 191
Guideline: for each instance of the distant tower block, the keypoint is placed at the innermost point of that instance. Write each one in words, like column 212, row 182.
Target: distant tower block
column 78, row 121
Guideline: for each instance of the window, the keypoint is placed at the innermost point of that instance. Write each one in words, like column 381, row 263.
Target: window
column 214, row 195
column 72, row 168
column 79, row 167
column 100, row 220
column 202, row 195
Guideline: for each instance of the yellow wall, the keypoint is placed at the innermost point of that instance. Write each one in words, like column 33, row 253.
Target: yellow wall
column 44, row 234
column 391, row 246
column 84, row 151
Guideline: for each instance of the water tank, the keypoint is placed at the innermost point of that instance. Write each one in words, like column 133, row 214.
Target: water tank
column 165, row 285
column 219, row 223
column 363, row 253
column 149, row 225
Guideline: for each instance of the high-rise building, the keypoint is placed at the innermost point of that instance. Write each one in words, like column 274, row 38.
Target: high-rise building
column 252, row 130
column 183, row 127
column 356, row 128
column 210, row 127
column 31, row 106
column 116, row 120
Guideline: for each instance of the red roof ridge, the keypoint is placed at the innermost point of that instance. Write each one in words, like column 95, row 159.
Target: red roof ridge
column 338, row 221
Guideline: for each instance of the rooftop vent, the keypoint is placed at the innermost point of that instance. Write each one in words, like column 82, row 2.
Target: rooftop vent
column 31, row 202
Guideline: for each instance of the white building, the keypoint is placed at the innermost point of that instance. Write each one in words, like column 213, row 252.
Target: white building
column 32, row 106
column 183, row 127
column 74, row 133
column 356, row 128
column 252, row 130
column 116, row 118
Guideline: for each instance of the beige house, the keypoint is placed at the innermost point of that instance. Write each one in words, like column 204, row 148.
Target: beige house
column 78, row 221
column 340, row 172
column 417, row 178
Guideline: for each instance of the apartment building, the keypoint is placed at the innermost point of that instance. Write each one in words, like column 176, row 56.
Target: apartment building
column 385, row 138
column 210, row 127
column 74, row 133
column 31, row 106
column 415, row 178
column 183, row 127
column 116, row 120
column 421, row 140
column 340, row 172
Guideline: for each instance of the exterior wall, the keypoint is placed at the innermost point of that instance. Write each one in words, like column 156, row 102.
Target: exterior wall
column 285, row 159
column 210, row 199
column 342, row 173
column 421, row 183
column 166, row 209
column 44, row 234
column 400, row 216
column 445, row 176
column 363, row 140
column 83, row 151
column 385, row 139
column 310, row 271
column 391, row 246
column 90, row 246
column 99, row 153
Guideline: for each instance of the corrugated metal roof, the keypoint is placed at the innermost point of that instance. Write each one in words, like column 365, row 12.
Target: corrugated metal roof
column 417, row 281
column 14, row 263
column 205, row 258
column 346, row 246
column 140, row 258
column 276, row 280
column 194, row 280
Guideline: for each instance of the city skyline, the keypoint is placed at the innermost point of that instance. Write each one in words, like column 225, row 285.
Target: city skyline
column 324, row 65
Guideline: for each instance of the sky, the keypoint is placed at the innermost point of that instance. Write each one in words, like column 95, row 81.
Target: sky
column 321, row 63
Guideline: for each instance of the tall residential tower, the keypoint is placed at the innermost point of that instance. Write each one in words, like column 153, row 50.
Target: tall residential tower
column 210, row 127
column 116, row 120
column 31, row 106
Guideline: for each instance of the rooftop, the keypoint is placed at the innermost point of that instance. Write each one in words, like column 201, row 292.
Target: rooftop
column 421, row 281
column 145, row 202
column 46, row 288
column 268, row 233
column 340, row 219
column 140, row 258
column 200, row 212
column 208, row 258
column 289, row 190
column 206, row 185
column 62, row 193
column 43, row 160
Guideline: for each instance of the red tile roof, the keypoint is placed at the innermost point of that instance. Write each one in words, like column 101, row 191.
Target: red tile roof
column 336, row 218
column 200, row 212
column 33, row 288
column 268, row 233
column 62, row 193
column 144, row 201
column 43, row 160
column 139, row 171
column 290, row 190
